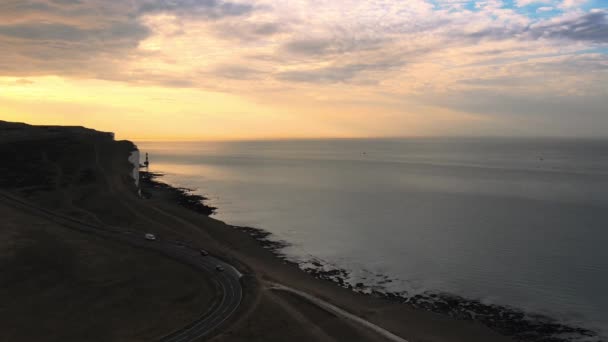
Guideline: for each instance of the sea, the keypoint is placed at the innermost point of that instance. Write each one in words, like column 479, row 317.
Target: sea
column 519, row 222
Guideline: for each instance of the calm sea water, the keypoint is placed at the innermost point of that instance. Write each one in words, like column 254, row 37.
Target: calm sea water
column 519, row 222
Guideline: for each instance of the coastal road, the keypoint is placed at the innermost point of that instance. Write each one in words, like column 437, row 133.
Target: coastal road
column 385, row 334
column 227, row 281
column 231, row 295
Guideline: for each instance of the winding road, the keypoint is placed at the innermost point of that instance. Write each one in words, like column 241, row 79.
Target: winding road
column 227, row 281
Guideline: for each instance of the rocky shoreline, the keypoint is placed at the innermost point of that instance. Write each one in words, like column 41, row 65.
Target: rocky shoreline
column 183, row 196
column 520, row 325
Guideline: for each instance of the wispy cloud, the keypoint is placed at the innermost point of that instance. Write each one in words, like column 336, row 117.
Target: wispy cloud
column 591, row 27
column 333, row 74
column 203, row 8
column 88, row 36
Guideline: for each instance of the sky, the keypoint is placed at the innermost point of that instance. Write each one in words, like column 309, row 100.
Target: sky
column 237, row 69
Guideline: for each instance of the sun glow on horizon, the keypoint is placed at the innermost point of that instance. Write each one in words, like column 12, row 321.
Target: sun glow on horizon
column 183, row 114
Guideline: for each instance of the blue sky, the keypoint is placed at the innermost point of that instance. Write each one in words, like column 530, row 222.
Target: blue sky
column 539, row 9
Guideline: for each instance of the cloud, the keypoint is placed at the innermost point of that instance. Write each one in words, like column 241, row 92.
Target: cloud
column 592, row 27
column 246, row 30
column 522, row 3
column 309, row 46
column 544, row 9
column 24, row 81
column 566, row 4
column 236, row 72
column 335, row 74
column 120, row 32
column 323, row 75
column 542, row 115
column 205, row 8
column 336, row 45
column 92, row 37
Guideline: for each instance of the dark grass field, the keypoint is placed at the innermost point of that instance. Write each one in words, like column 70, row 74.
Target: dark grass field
column 60, row 285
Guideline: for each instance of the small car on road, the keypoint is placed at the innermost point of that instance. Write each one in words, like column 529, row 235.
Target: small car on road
column 204, row 252
column 219, row 268
column 150, row 237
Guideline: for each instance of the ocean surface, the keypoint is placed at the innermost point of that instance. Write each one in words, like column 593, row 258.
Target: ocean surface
column 517, row 222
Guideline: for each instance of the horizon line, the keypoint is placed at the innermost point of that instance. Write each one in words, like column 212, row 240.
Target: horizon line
column 563, row 137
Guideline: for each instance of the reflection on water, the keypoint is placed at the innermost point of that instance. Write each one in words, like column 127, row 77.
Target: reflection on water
column 512, row 221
